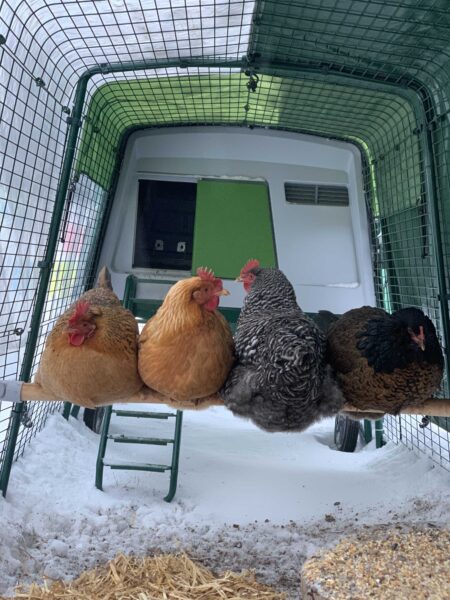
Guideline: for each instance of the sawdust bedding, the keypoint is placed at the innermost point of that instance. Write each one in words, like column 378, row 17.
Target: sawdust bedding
column 385, row 564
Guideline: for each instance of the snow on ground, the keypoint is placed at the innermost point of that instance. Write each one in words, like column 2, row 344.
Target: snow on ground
column 245, row 498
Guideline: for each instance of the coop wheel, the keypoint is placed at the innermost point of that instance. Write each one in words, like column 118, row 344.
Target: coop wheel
column 93, row 418
column 346, row 433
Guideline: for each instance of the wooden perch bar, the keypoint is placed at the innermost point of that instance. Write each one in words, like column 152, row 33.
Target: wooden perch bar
column 436, row 407
column 33, row 392
column 150, row 396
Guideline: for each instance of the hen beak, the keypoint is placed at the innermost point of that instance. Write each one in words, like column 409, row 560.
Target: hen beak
column 239, row 279
column 222, row 293
column 419, row 340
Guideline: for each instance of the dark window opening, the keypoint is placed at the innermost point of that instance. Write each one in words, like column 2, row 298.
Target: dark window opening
column 165, row 225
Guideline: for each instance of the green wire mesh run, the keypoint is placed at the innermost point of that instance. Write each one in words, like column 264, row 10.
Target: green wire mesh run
column 432, row 440
column 32, row 141
column 33, row 135
column 220, row 96
column 404, row 42
column 342, row 69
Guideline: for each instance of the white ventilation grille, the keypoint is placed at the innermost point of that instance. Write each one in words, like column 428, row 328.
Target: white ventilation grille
column 323, row 195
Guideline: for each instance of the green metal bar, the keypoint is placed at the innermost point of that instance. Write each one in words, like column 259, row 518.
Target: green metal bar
column 44, row 278
column 75, row 411
column 123, row 439
column 432, row 195
column 143, row 415
column 182, row 63
column 102, row 448
column 368, row 431
column 175, row 457
column 47, row 263
column 13, row 430
column 138, row 467
column 130, row 290
column 379, row 442
column 66, row 410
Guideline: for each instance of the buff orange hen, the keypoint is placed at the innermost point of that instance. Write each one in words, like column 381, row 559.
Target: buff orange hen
column 90, row 356
column 186, row 348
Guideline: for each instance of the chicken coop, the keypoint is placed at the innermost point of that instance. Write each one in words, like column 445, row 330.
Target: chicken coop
column 314, row 136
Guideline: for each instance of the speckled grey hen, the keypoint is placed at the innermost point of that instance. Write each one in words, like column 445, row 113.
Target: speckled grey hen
column 280, row 380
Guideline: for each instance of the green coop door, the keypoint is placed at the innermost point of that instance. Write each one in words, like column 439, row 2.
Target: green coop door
column 233, row 223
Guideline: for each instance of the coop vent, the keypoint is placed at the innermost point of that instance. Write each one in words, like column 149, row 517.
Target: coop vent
column 325, row 195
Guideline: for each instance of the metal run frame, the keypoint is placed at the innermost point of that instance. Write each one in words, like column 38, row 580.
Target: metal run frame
column 410, row 90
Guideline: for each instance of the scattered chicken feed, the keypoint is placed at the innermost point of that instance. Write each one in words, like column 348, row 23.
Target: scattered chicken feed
column 390, row 565
column 163, row 577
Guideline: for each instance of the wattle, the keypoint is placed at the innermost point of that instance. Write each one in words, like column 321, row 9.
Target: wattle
column 212, row 304
column 76, row 339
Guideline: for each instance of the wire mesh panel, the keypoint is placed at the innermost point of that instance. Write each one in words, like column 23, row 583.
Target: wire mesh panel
column 32, row 135
column 80, row 75
column 72, row 264
column 431, row 439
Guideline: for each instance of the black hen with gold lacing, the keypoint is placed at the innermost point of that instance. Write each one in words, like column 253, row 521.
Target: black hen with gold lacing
column 385, row 362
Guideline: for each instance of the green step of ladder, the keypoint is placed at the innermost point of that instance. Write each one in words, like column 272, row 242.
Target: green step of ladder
column 127, row 439
column 124, row 439
column 139, row 414
column 137, row 467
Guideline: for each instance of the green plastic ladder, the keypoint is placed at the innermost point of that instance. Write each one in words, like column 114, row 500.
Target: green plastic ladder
column 126, row 439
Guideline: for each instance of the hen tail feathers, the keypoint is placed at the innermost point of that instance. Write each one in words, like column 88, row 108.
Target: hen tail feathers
column 104, row 279
column 238, row 392
column 324, row 319
column 331, row 399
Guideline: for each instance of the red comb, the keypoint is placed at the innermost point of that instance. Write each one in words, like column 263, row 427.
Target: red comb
column 251, row 264
column 218, row 284
column 81, row 309
column 206, row 274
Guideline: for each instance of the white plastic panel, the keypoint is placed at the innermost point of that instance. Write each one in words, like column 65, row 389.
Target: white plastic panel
column 324, row 250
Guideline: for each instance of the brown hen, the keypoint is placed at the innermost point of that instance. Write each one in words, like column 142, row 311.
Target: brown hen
column 385, row 362
column 90, row 356
column 186, row 348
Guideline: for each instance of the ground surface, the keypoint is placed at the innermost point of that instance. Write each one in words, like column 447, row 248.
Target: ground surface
column 245, row 499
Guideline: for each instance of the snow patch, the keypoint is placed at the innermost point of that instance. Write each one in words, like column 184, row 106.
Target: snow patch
column 245, row 498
